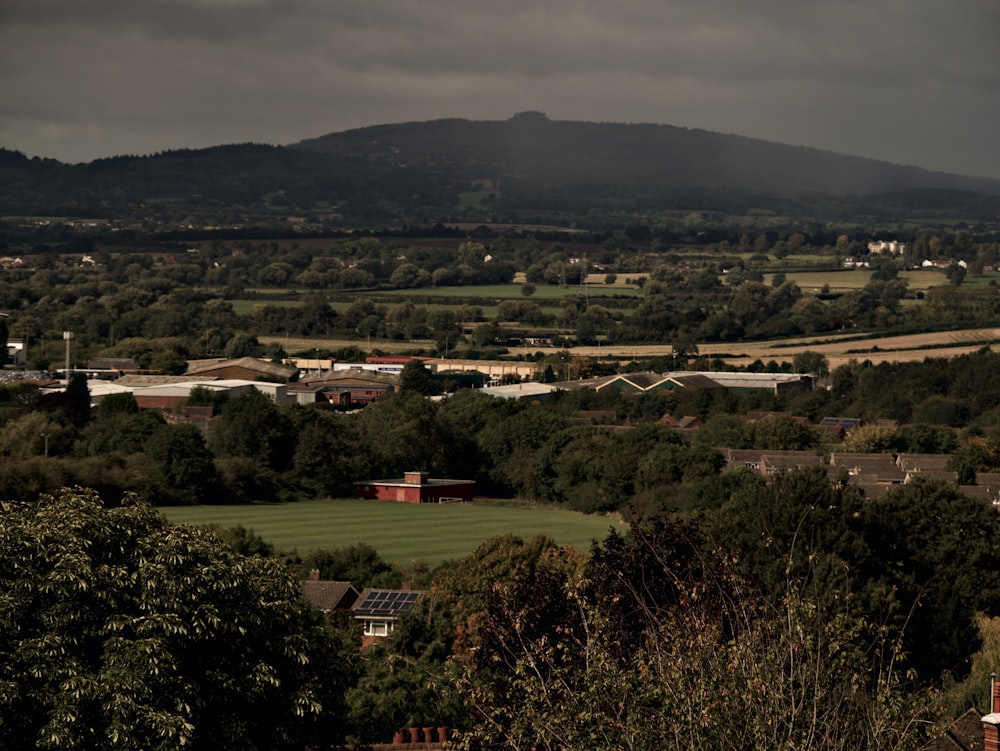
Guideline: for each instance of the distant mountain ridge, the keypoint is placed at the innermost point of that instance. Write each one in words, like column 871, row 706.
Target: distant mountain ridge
column 504, row 170
column 530, row 146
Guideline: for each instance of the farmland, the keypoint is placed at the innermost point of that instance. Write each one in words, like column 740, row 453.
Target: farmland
column 402, row 533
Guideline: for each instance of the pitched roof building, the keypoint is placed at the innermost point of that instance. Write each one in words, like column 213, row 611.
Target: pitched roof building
column 328, row 596
column 244, row 368
column 379, row 609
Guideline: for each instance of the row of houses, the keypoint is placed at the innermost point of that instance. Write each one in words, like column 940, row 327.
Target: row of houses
column 874, row 474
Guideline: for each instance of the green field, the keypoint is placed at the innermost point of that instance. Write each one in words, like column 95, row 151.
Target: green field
column 402, row 533
column 844, row 280
column 513, row 291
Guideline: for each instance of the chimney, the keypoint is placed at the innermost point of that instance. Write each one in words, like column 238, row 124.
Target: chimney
column 991, row 722
column 314, row 575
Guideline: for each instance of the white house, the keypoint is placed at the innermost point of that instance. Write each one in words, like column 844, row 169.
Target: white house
column 891, row 247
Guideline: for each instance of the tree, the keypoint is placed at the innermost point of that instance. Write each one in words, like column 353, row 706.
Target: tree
column 326, row 458
column 415, row 378
column 664, row 645
column 179, row 453
column 121, row 631
column 359, row 564
column 253, row 427
column 399, row 433
column 35, row 434
column 782, row 433
column 811, row 362
column 408, row 275
column 955, row 273
column 407, row 681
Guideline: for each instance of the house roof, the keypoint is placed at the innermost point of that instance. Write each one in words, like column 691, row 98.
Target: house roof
column 143, row 381
column 385, row 603
column 264, row 367
column 693, row 381
column 847, row 423
column 870, row 467
column 111, row 363
column 924, row 462
column 744, row 380
column 329, row 595
column 525, row 390
column 964, row 734
column 352, row 375
column 426, row 482
column 785, row 460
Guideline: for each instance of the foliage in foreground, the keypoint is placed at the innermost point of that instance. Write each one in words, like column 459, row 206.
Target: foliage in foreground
column 663, row 646
column 119, row 631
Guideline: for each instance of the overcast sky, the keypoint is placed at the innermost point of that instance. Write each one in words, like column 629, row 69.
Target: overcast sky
column 907, row 81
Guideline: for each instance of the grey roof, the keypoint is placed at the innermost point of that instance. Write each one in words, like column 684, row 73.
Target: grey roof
column 694, row 380
column 924, row 462
column 143, row 381
column 870, row 467
column 338, row 376
column 111, row 363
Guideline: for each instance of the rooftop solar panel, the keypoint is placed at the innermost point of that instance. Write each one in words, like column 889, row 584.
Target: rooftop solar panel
column 386, row 602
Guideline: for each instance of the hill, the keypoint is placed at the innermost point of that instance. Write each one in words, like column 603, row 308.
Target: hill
column 532, row 149
column 524, row 168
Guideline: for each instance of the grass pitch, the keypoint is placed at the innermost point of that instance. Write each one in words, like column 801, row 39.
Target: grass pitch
column 401, row 532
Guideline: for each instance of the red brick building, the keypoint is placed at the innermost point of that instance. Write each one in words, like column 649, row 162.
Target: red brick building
column 416, row 487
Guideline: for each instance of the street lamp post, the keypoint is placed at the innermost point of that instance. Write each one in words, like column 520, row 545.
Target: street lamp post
column 68, row 337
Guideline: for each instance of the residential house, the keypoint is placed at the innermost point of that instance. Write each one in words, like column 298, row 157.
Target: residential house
column 778, row 462
column 920, row 463
column 890, row 247
column 328, row 596
column 688, row 422
column 972, row 731
column 378, row 610
column 878, row 469
column 770, row 462
column 839, row 427
column 987, row 487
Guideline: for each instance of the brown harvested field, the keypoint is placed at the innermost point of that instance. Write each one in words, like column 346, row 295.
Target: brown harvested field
column 839, row 349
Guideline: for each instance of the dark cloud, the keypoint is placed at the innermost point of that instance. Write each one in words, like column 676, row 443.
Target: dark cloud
column 910, row 81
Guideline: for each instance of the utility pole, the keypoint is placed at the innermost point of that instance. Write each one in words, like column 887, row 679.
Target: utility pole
column 68, row 337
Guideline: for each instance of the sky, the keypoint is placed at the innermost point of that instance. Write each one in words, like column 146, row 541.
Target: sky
column 906, row 81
